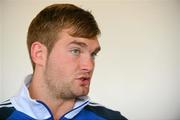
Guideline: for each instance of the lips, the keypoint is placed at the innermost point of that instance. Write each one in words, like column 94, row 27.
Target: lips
column 84, row 80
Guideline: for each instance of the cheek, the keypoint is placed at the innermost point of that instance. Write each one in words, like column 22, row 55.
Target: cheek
column 62, row 64
column 69, row 60
column 67, row 64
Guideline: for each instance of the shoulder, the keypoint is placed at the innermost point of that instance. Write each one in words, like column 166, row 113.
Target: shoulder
column 6, row 109
column 105, row 112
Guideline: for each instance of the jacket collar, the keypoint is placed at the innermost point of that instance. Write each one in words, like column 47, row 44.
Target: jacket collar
column 31, row 107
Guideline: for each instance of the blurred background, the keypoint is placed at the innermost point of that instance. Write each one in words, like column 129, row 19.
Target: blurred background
column 138, row 69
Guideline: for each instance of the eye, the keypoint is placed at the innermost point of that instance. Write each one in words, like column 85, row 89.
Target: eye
column 75, row 51
column 94, row 55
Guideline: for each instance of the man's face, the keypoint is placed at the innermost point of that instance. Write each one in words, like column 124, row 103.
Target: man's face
column 69, row 66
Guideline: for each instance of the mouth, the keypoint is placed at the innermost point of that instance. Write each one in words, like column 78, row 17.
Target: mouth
column 84, row 81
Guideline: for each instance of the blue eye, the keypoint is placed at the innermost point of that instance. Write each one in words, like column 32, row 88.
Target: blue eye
column 94, row 55
column 75, row 51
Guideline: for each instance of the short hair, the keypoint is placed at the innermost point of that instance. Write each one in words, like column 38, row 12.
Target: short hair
column 45, row 27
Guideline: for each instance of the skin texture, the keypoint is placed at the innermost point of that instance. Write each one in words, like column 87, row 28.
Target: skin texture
column 65, row 73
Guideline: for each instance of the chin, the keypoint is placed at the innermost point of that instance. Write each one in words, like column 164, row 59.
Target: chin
column 83, row 93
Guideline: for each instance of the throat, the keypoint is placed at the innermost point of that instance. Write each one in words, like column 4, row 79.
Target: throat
column 62, row 108
column 58, row 106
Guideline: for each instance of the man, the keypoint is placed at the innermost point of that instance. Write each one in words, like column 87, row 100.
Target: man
column 62, row 43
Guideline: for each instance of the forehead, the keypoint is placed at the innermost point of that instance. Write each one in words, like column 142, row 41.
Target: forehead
column 64, row 39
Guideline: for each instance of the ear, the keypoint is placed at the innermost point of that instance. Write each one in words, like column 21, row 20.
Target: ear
column 38, row 53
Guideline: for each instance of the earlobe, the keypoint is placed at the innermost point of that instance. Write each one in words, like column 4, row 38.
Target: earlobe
column 38, row 53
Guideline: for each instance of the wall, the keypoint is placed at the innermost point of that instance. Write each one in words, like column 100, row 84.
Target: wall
column 1, row 4
column 138, row 69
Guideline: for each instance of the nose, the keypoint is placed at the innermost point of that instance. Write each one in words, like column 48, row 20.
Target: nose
column 87, row 64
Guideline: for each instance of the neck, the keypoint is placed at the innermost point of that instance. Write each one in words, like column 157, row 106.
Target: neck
column 39, row 91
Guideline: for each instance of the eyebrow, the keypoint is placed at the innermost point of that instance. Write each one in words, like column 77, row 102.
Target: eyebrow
column 97, row 50
column 79, row 43
column 84, row 45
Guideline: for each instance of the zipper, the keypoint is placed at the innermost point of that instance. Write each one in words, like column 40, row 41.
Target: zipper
column 51, row 118
column 61, row 118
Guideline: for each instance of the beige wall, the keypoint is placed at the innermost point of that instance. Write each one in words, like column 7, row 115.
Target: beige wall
column 0, row 50
column 138, row 69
